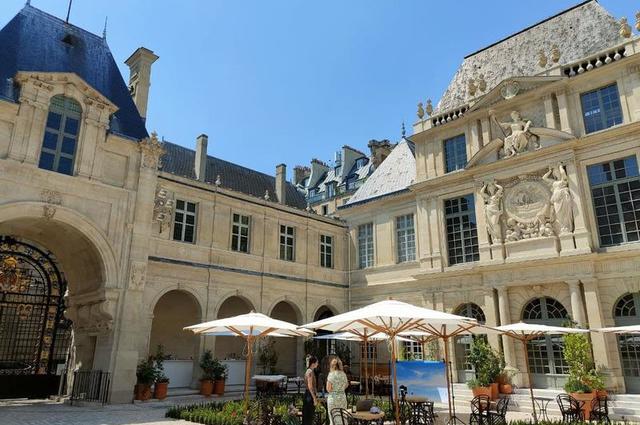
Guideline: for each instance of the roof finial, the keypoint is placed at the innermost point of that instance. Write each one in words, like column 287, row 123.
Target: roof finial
column 68, row 11
column 403, row 130
column 28, row 3
column 104, row 31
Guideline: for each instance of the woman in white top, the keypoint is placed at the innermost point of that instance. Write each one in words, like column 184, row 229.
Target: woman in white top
column 337, row 383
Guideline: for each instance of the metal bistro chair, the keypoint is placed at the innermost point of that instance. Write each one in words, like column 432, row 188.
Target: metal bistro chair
column 342, row 417
column 421, row 413
column 479, row 410
column 499, row 417
column 570, row 408
column 600, row 409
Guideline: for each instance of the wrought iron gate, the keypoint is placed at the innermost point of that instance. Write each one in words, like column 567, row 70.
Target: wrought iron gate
column 34, row 335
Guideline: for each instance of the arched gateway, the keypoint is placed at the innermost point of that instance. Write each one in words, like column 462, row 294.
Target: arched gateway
column 34, row 335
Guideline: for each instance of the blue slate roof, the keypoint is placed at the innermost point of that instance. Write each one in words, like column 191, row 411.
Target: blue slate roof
column 180, row 161
column 32, row 41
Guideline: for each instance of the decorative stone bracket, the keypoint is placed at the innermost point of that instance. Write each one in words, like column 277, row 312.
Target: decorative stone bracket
column 94, row 317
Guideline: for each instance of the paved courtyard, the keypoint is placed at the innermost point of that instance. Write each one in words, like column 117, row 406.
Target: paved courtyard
column 152, row 413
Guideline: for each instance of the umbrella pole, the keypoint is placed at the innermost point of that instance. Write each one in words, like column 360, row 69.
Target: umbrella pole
column 366, row 366
column 374, row 360
column 526, row 365
column 395, row 381
column 247, row 373
column 446, row 372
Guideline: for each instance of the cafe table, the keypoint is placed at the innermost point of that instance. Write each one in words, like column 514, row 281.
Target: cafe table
column 364, row 417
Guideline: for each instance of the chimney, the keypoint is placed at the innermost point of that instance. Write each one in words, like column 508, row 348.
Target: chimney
column 139, row 64
column 281, row 183
column 201, row 157
column 300, row 172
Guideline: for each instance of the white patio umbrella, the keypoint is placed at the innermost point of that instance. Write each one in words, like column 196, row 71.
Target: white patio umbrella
column 630, row 329
column 366, row 340
column 391, row 318
column 251, row 326
column 525, row 332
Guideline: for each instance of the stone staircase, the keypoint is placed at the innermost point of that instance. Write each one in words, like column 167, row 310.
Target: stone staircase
column 621, row 406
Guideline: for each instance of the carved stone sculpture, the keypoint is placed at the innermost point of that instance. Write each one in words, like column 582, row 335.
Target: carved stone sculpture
column 152, row 150
column 556, row 178
column 520, row 138
column 162, row 208
column 526, row 206
column 51, row 199
column 492, row 194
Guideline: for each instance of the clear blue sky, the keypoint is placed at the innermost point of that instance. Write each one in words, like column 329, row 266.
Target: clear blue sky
column 274, row 81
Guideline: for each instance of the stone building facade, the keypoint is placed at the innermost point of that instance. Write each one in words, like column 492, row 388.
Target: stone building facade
column 524, row 204
column 124, row 239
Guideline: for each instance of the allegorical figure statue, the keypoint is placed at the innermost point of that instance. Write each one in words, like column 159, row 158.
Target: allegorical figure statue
column 492, row 194
column 518, row 140
column 561, row 200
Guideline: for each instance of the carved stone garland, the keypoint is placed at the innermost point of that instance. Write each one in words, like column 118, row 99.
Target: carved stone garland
column 162, row 208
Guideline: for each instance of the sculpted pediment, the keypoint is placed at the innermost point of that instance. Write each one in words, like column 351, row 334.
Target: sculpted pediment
column 519, row 138
column 510, row 88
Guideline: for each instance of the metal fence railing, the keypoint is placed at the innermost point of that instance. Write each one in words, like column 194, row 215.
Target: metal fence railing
column 91, row 385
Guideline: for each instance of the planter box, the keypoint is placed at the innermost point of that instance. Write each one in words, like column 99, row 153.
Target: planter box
column 218, row 387
column 481, row 391
column 160, row 390
column 206, row 387
column 142, row 392
column 586, row 398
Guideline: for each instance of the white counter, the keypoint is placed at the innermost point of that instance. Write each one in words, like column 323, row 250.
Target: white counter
column 235, row 374
column 179, row 372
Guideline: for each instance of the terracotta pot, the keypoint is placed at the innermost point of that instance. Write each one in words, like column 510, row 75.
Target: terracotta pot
column 602, row 393
column 160, row 390
column 586, row 398
column 481, row 391
column 218, row 387
column 506, row 389
column 142, row 392
column 494, row 391
column 206, row 387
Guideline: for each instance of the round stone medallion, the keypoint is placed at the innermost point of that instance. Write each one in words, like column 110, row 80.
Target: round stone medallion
column 527, row 201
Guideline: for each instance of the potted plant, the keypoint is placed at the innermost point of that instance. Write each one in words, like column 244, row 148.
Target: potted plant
column 584, row 380
column 219, row 376
column 145, row 375
column 505, row 379
column 268, row 356
column 161, row 385
column 479, row 387
column 208, row 366
column 487, row 364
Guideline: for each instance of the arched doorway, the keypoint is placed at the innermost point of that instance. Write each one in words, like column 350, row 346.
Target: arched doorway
column 627, row 312
column 173, row 311
column 287, row 349
column 34, row 335
column 546, row 361
column 231, row 347
column 463, row 342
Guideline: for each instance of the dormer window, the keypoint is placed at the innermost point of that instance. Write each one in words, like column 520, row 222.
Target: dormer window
column 61, row 135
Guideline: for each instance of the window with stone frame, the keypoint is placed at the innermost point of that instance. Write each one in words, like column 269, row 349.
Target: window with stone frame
column 287, row 243
column 326, row 251
column 60, row 141
column 184, row 221
column 240, row 230
column 455, row 153
column 462, row 231
column 601, row 108
column 615, row 192
column 371, row 353
column 365, row 245
column 405, row 238
column 412, row 350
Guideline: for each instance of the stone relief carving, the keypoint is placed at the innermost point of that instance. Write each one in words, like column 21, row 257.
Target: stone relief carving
column 94, row 317
column 556, row 178
column 162, row 208
column 138, row 276
column 492, row 194
column 521, row 139
column 51, row 199
column 152, row 150
column 529, row 206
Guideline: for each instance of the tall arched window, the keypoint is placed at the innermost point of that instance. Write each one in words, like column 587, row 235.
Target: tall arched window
column 61, row 135
column 546, row 353
column 463, row 342
column 627, row 312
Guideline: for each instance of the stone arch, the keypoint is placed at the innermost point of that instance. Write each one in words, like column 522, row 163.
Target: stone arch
column 325, row 310
column 175, row 309
column 231, row 347
column 290, row 350
column 153, row 299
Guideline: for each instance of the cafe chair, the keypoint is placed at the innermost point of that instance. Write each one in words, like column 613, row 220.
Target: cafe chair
column 421, row 413
column 479, row 410
column 341, row 416
column 499, row 417
column 570, row 408
column 600, row 410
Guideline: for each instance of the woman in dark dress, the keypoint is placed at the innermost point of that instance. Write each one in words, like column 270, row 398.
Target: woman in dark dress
column 310, row 395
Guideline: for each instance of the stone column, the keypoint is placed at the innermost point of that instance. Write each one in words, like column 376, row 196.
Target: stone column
column 550, row 117
column 505, row 319
column 491, row 317
column 577, row 307
column 602, row 343
column 563, row 108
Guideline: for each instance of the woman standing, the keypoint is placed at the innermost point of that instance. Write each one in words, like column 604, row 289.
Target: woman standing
column 310, row 395
column 337, row 383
